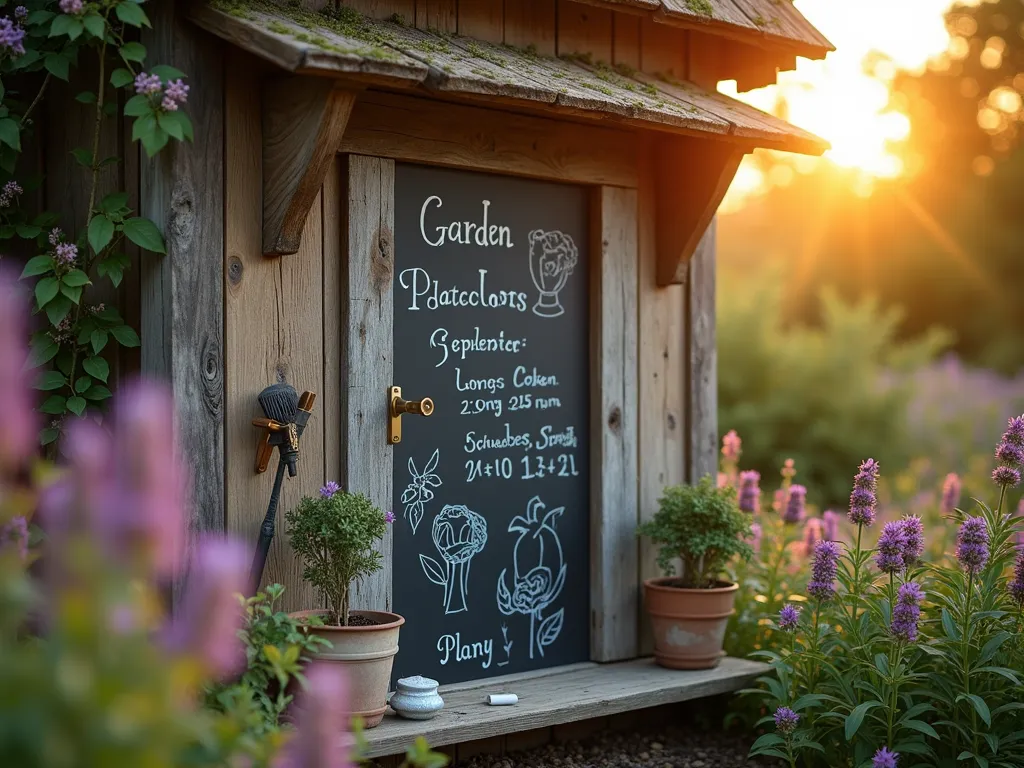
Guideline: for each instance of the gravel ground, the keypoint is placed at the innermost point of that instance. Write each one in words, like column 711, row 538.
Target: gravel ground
column 668, row 747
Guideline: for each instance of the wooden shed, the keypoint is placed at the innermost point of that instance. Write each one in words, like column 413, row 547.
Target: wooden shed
column 506, row 206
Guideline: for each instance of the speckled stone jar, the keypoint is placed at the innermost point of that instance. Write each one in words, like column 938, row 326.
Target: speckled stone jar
column 416, row 698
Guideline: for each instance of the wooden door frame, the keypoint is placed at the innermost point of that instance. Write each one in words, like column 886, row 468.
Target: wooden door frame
column 367, row 327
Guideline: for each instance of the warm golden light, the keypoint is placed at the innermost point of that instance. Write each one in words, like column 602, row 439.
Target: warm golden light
column 845, row 98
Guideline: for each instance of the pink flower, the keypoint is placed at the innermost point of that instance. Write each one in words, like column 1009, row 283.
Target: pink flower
column 755, row 536
column 72, row 7
column 17, row 436
column 322, row 716
column 211, row 613
column 731, row 446
column 812, row 535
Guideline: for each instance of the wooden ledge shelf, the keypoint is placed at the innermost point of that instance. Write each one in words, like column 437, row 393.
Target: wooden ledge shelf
column 556, row 696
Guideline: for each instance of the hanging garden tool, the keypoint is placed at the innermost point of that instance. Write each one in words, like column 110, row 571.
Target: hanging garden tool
column 285, row 415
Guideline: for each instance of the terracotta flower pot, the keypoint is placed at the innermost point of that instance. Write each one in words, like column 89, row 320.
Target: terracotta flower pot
column 689, row 624
column 368, row 654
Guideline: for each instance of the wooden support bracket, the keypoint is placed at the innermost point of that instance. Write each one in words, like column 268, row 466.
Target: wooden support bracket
column 692, row 178
column 304, row 119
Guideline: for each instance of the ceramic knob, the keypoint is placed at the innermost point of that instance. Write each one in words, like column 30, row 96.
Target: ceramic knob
column 416, row 698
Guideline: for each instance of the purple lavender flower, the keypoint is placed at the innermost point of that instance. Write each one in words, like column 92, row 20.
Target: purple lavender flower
column 731, row 446
column 12, row 36
column 824, row 569
column 812, row 535
column 1016, row 585
column 329, row 489
column 913, row 531
column 322, row 710
column 10, row 191
column 950, row 493
column 1014, row 434
column 863, row 500
column 147, row 84
column 67, row 253
column 972, row 544
column 21, row 13
column 796, row 500
column 891, row 544
column 750, row 491
column 755, row 536
column 906, row 612
column 1007, row 477
column 1010, row 454
column 789, row 617
column 830, row 525
column 389, row 517
column 15, row 532
column 177, row 92
column 786, row 720
column 18, row 434
column 71, row 7
column 885, row 759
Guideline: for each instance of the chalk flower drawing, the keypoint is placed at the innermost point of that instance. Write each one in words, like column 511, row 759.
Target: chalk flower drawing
column 538, row 574
column 419, row 492
column 459, row 534
column 553, row 257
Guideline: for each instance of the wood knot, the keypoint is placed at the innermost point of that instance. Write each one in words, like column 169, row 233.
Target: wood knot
column 615, row 420
column 235, row 269
column 281, row 372
column 382, row 260
column 211, row 369
column 670, row 420
column 181, row 224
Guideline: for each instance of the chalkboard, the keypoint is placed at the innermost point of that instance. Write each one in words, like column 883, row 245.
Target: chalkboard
column 491, row 537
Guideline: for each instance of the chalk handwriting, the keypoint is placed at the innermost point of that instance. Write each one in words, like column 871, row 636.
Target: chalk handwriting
column 462, row 232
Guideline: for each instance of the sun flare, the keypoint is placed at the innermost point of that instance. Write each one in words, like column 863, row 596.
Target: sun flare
column 845, row 98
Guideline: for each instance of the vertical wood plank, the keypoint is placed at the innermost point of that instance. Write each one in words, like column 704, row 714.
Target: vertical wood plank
column 483, row 19
column 662, row 365
column 614, row 549
column 330, row 403
column 183, row 292
column 438, row 15
column 626, row 40
column 531, row 23
column 584, row 29
column 367, row 330
column 273, row 319
column 664, row 49
column 385, row 9
column 705, row 59
column 702, row 373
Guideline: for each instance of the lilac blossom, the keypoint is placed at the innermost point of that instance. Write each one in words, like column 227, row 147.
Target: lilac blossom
column 884, row 758
column 17, row 437
column 863, row 500
column 55, row 236
column 12, row 36
column 66, row 253
column 786, row 720
column 789, row 617
column 750, row 491
column 796, row 500
column 812, row 535
column 1016, row 585
column 322, row 711
column 211, row 614
column 891, row 545
column 830, row 525
column 824, row 568
column 71, row 7
column 9, row 192
column 21, row 13
column 972, row 544
column 951, row 489
column 15, row 531
column 175, row 94
column 330, row 488
column 907, row 612
column 146, row 84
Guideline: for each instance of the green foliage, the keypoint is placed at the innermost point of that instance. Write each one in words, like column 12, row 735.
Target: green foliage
column 814, row 394
column 335, row 533
column 69, row 262
column 702, row 526
column 276, row 649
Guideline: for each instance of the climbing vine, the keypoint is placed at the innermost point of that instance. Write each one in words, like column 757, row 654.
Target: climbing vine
column 42, row 41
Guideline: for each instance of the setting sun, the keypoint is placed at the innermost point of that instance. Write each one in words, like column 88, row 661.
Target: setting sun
column 845, row 98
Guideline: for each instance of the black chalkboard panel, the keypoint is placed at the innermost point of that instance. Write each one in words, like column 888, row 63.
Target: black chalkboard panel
column 491, row 540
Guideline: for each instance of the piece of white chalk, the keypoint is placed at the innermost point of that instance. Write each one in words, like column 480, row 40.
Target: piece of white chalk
column 502, row 699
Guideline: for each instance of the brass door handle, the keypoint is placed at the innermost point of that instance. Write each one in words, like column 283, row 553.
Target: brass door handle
column 397, row 406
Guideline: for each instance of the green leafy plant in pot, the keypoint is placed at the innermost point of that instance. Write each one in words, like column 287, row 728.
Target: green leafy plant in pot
column 335, row 533
column 701, row 528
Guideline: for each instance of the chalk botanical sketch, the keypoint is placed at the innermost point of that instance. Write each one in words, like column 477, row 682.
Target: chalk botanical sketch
column 459, row 534
column 553, row 257
column 418, row 492
column 506, row 645
column 538, row 574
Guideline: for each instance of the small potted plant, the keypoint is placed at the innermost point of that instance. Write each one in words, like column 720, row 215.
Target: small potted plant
column 335, row 533
column 702, row 527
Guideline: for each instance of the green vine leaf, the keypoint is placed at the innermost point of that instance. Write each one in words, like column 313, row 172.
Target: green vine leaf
column 82, row 156
column 125, row 336
column 101, row 232
column 46, row 290
column 95, row 25
column 51, row 380
column 28, row 231
column 10, row 133
column 40, row 17
column 42, row 350
column 131, row 13
column 83, row 383
column 133, row 52
column 176, row 124
column 75, row 278
column 76, row 405
column 86, row 97
column 144, row 234
column 154, row 141
column 97, row 393
column 167, row 72
column 48, row 435
column 57, row 65
column 114, row 202
column 98, row 340
column 73, row 292
column 37, row 265
column 66, row 25
column 137, row 106
column 97, row 367
column 121, row 77
column 55, row 404
column 58, row 309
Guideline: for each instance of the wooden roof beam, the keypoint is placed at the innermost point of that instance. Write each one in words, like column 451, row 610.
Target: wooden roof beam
column 692, row 177
column 304, row 119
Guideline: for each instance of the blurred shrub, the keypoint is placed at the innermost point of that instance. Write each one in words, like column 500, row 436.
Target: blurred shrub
column 826, row 396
